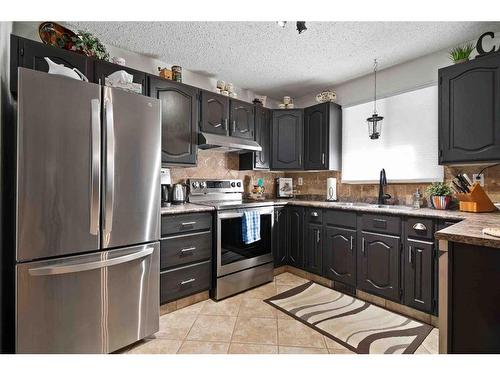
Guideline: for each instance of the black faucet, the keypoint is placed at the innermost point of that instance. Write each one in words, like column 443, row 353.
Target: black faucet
column 382, row 182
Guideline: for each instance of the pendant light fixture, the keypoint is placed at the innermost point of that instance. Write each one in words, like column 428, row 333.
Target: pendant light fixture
column 375, row 121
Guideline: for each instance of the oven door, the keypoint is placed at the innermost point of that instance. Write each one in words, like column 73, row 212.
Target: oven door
column 232, row 253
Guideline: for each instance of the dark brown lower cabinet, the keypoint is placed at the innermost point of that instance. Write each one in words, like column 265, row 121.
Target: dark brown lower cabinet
column 296, row 236
column 280, row 241
column 313, row 249
column 339, row 255
column 379, row 265
column 418, row 258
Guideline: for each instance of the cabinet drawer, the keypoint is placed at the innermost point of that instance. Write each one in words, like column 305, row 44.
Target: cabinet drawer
column 420, row 228
column 340, row 218
column 175, row 224
column 381, row 224
column 184, row 281
column 185, row 248
column 314, row 215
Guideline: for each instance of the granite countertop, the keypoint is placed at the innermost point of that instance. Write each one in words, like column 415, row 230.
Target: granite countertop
column 185, row 208
column 467, row 230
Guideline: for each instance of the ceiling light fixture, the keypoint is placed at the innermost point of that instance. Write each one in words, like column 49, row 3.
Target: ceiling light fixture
column 301, row 26
column 281, row 24
column 375, row 121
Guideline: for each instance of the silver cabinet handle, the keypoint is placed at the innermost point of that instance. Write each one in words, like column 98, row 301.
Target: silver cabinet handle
column 189, row 281
column 363, row 246
column 225, row 123
column 351, row 243
column 218, row 125
column 314, row 214
column 300, row 159
column 323, row 158
column 318, row 238
column 109, row 192
column 419, row 226
column 234, row 126
column 188, row 223
column 79, row 267
column 410, row 254
column 95, row 167
column 187, row 249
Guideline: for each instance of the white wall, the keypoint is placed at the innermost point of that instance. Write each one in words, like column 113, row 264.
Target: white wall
column 414, row 74
column 149, row 64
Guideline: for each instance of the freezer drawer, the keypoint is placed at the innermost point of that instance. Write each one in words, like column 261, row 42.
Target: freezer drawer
column 94, row 303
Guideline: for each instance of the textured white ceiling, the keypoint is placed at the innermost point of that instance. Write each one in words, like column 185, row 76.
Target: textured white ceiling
column 273, row 61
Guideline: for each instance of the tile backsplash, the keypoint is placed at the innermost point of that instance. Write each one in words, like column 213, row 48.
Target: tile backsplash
column 219, row 165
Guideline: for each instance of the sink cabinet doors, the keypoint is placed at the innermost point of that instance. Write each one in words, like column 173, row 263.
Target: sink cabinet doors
column 339, row 255
column 379, row 265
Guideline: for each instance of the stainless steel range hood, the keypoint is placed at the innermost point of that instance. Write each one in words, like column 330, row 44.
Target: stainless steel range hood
column 225, row 143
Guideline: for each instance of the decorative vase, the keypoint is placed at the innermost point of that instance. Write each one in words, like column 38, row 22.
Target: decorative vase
column 441, row 202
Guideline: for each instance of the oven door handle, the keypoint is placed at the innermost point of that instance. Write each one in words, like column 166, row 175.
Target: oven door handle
column 236, row 214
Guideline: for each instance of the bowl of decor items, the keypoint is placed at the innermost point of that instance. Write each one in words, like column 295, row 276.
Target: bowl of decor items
column 461, row 53
column 440, row 195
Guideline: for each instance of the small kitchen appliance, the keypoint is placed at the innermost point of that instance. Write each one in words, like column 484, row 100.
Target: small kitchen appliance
column 166, row 187
column 284, row 187
column 178, row 194
column 331, row 189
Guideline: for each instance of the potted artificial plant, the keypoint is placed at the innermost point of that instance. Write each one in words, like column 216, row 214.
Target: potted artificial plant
column 440, row 194
column 461, row 53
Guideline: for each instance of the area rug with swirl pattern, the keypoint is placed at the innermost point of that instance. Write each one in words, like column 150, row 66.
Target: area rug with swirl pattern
column 358, row 325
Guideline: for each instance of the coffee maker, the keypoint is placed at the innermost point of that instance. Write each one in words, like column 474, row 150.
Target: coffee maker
column 166, row 187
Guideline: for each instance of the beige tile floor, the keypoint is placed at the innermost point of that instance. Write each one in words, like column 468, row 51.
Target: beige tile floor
column 244, row 324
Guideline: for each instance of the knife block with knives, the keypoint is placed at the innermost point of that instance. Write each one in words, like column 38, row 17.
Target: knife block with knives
column 475, row 200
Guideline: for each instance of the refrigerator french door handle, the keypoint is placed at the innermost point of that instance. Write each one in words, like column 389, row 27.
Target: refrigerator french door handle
column 95, row 168
column 79, row 267
column 109, row 186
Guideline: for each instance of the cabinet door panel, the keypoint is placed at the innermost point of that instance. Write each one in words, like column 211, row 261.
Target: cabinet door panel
column 296, row 236
column 287, row 134
column 339, row 255
column 242, row 119
column 263, row 137
column 31, row 54
column 312, row 252
column 179, row 119
column 103, row 69
column 379, row 265
column 418, row 274
column 469, row 105
column 316, row 137
column 214, row 113
column 280, row 243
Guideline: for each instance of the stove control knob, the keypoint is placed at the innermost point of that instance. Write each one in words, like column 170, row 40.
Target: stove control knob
column 233, row 184
column 238, row 184
column 195, row 184
column 203, row 184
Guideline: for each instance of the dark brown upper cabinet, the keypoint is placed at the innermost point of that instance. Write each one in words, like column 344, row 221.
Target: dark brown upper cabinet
column 214, row 113
column 179, row 120
column 241, row 119
column 469, row 111
column 323, row 137
column 259, row 159
column 379, row 265
column 103, row 69
column 287, row 139
column 30, row 54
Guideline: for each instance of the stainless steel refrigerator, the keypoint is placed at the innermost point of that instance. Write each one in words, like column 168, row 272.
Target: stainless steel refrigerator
column 87, row 216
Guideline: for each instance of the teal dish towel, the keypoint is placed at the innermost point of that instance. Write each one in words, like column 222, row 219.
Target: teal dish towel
column 250, row 227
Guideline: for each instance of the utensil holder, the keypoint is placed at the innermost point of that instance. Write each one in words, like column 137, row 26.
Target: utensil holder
column 476, row 200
